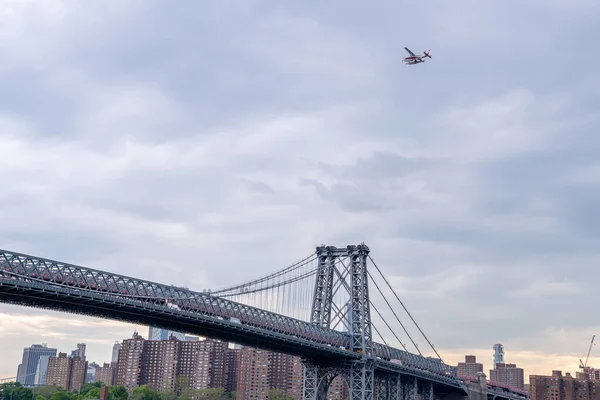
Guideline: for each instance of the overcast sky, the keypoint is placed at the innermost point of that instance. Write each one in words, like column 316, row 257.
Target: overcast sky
column 191, row 142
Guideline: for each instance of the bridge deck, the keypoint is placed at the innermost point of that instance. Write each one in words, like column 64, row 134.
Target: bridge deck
column 42, row 283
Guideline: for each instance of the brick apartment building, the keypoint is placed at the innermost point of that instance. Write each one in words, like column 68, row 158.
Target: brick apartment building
column 105, row 374
column 167, row 365
column 173, row 365
column 68, row 373
column 470, row 367
column 559, row 387
column 233, row 369
column 508, row 374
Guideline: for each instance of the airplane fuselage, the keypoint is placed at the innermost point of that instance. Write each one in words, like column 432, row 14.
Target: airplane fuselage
column 413, row 60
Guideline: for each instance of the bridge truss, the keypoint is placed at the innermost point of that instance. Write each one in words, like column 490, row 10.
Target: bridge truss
column 335, row 339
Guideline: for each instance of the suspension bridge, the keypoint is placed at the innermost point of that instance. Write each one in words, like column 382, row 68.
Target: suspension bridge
column 318, row 309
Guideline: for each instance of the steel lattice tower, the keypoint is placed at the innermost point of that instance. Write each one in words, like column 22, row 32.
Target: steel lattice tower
column 342, row 270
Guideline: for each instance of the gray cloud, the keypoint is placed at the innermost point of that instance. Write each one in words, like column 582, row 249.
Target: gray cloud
column 195, row 143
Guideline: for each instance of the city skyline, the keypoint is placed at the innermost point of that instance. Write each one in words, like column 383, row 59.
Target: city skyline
column 483, row 356
column 222, row 143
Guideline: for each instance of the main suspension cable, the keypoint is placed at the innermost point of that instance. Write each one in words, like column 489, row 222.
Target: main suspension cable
column 394, row 312
column 297, row 265
column 405, row 309
column 272, row 286
column 388, row 325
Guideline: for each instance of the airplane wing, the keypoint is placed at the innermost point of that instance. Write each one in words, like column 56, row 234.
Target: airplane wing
column 409, row 52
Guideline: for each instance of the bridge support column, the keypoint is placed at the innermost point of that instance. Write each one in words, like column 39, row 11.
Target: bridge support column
column 396, row 389
column 411, row 389
column 315, row 382
column 359, row 376
column 428, row 393
column 362, row 379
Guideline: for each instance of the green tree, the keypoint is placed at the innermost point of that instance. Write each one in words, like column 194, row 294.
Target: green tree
column 278, row 394
column 145, row 393
column 46, row 391
column 230, row 395
column 117, row 393
column 63, row 395
column 210, row 394
column 90, row 391
column 15, row 391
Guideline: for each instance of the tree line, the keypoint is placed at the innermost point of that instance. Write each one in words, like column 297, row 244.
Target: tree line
column 91, row 391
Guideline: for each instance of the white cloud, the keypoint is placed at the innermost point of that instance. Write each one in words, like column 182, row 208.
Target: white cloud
column 541, row 288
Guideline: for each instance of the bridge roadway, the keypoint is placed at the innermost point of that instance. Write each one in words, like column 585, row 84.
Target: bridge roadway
column 37, row 282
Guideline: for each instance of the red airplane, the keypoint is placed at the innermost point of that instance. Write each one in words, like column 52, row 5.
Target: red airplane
column 413, row 59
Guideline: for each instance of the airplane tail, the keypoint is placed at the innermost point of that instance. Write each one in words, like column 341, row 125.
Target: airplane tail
column 426, row 53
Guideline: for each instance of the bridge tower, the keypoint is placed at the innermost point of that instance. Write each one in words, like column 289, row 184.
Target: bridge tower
column 342, row 275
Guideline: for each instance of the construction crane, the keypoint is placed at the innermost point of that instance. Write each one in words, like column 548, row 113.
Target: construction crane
column 582, row 365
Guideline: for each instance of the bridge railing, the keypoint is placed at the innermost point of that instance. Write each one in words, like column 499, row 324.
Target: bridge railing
column 21, row 267
column 405, row 358
column 473, row 378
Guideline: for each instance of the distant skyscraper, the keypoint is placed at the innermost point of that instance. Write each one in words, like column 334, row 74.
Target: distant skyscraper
column 79, row 351
column 42, row 371
column 498, row 354
column 91, row 372
column 29, row 364
column 115, row 353
column 164, row 334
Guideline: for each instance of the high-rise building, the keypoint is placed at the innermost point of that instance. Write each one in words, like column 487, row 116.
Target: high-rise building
column 253, row 374
column 218, row 364
column 129, row 365
column 78, row 373
column 115, row 353
column 79, row 351
column 159, row 364
column 470, row 367
column 285, row 373
column 559, row 387
column 91, row 372
column 164, row 334
column 59, row 371
column 338, row 390
column 113, row 362
column 498, row 354
column 260, row 371
column 233, row 367
column 66, row 372
column 170, row 365
column 105, row 374
column 41, row 371
column 508, row 374
column 589, row 373
column 31, row 357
